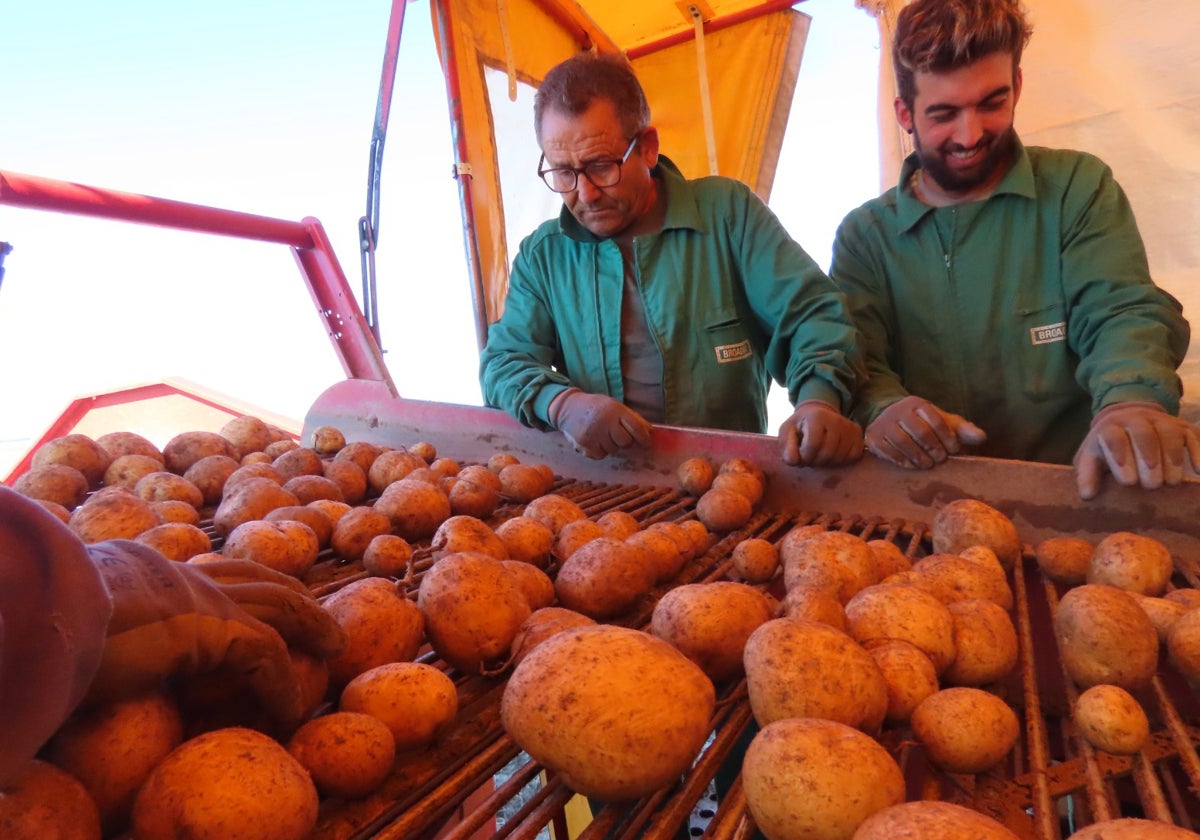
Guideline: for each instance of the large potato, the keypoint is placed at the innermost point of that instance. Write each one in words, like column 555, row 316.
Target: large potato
column 473, row 608
column 659, row 551
column 163, row 486
column 209, row 475
column 843, row 557
column 815, row 604
column 965, row 730
column 604, row 578
column 250, row 499
column 187, row 448
column 416, row 508
column 931, row 818
column 74, row 450
column 812, row 779
column 985, row 643
column 961, row 578
column 536, row 585
column 118, row 514
column 554, row 511
column 709, row 623
column 381, row 625
column 349, row 477
column 541, row 625
column 1133, row 562
column 286, row 546
column 1105, row 637
column 897, row 611
column 800, row 668
column 56, row 483
column 415, row 700
column 48, row 803
column 231, row 782
column 348, row 754
column 1064, row 559
column 247, row 433
column 116, row 444
column 314, row 518
column 355, row 529
column 467, row 533
column 526, row 540
column 127, row 470
column 616, row 712
column 963, row 523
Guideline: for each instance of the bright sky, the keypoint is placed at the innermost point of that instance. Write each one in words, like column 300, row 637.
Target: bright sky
column 267, row 107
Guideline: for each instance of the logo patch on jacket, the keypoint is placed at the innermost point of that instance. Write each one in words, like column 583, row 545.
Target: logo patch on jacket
column 1049, row 333
column 733, row 352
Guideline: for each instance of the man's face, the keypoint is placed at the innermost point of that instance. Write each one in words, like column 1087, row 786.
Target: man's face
column 596, row 135
column 962, row 124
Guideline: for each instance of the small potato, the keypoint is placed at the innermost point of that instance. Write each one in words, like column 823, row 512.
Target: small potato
column 389, row 466
column 702, row 540
column 334, row 510
column 755, row 560
column 575, row 535
column 247, row 434
column 723, row 510
column 56, row 483
column 424, row 450
column 679, row 535
column 466, row 533
column 533, row 582
column 481, row 475
column 1064, row 559
column 965, row 730
column 526, row 540
column 309, row 488
column 176, row 541
column 47, row 803
column 1187, row 596
column 828, row 558
column 298, row 461
column 1112, row 720
column 471, row 498
column 362, row 453
column 522, row 483
column 889, row 559
column 817, row 779
column 74, row 450
column 742, row 465
column 985, row 643
column 709, row 623
column 416, row 701
column 891, row 611
column 187, row 448
column 931, row 818
column 604, row 578
column 695, row 476
column 279, row 446
column 1132, row 562
column 349, row 477
column 116, row 444
column 355, row 529
column 415, row 508
column 314, row 518
column 381, row 624
column 909, row 676
column 388, row 556
column 108, row 516
column 1105, row 637
column 966, row 522
column 166, row 486
column 126, row 470
column 814, row 604
column 258, row 469
column 209, row 475
column 61, row 513
column 327, row 441
column 286, row 546
column 748, row 484
column 541, row 625
column 619, row 524
column 173, row 510
column 554, row 511
column 660, row 552
column 348, row 754
column 497, row 462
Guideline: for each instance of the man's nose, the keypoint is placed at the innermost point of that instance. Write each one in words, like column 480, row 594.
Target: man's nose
column 585, row 188
column 969, row 129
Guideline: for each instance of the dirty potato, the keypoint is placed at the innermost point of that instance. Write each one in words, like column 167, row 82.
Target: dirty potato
column 56, row 483
column 1105, row 637
column 966, row 522
column 965, row 730
column 1131, row 562
column 348, row 754
column 415, row 700
column 1064, row 559
column 709, row 623
column 1112, row 720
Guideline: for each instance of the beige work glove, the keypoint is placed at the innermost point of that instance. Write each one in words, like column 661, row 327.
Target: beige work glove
column 1139, row 443
column 817, row 435
column 597, row 425
column 916, row 434
column 174, row 619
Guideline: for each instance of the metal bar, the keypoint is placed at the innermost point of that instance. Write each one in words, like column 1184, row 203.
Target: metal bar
column 710, row 26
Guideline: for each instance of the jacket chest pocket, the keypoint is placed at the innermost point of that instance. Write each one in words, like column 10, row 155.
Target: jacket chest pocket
column 1045, row 362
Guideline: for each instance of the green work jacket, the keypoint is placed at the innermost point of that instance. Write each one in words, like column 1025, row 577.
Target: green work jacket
column 730, row 301
column 1025, row 312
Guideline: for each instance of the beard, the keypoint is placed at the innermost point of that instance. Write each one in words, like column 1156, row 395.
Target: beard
column 999, row 149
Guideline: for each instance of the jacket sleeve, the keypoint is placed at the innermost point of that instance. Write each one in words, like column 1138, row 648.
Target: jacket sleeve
column 54, row 613
column 517, row 367
column 861, row 276
column 812, row 348
column 1130, row 336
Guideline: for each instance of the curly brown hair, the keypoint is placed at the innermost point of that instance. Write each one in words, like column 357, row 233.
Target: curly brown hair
column 937, row 35
column 572, row 85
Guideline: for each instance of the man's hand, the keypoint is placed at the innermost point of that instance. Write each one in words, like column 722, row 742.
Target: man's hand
column 596, row 424
column 1139, row 443
column 817, row 435
column 916, row 434
column 173, row 619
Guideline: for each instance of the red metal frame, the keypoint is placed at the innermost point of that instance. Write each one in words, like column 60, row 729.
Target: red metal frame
column 345, row 325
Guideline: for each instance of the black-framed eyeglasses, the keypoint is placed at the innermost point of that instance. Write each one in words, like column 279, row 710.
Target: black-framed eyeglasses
column 602, row 173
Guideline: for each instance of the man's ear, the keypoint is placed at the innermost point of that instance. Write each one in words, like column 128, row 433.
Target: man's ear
column 904, row 114
column 1017, row 78
column 648, row 146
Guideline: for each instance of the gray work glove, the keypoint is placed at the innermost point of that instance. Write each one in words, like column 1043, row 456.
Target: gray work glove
column 597, row 425
column 817, row 435
column 1139, row 443
column 916, row 434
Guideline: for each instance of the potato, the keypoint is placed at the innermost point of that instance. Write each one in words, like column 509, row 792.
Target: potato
column 533, row 582
column 47, row 803
column 748, row 484
column 286, row 546
column 926, row 818
column 908, row 674
column 790, row 546
column 1064, row 559
column 1132, row 828
column 388, row 556
column 895, row 611
column 279, row 446
column 250, row 499
column 389, row 466
column 415, row 508
column 709, row 623
column 227, row 782
column 424, row 450
column 817, row 779
column 936, row 586
column 355, row 529
column 498, row 461
column 814, row 604
column 472, row 499
column 604, row 578
column 573, row 536
column 985, row 643
column 965, row 730
column 827, row 558
column 326, row 440
column 314, row 518
column 723, row 510
column 1112, row 720
column 187, row 448
column 966, row 522
column 742, row 465
column 522, row 483
column 961, row 579
column 112, row 748
column 554, row 511
column 889, row 559
column 247, row 434
column 755, row 560
column 415, row 700
column 360, row 452
column 296, row 462
column 116, row 444
column 526, row 540
column 541, row 625
column 620, row 524
column 349, row 478
column 1132, row 562
column 799, row 668
column 659, row 551
column 1105, row 637
column 466, row 533
column 695, row 476
column 165, row 486
column 61, row 513
column 473, row 608
column 1163, row 613
column 1183, row 646
column 109, row 516
column 74, row 450
column 173, row 510
column 309, row 488
column 702, row 540
column 56, row 483
column 252, row 470
column 1188, row 596
column 381, row 624
column 177, row 541
column 125, row 470
column 348, row 754
column 481, row 475
column 679, row 535
column 617, row 713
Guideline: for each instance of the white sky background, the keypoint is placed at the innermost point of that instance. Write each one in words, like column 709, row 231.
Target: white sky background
column 267, row 108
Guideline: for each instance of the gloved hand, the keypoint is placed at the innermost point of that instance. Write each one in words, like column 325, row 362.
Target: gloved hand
column 596, row 424
column 1139, row 443
column 817, row 435
column 916, row 434
column 172, row 619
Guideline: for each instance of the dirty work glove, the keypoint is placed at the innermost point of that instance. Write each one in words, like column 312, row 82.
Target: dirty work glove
column 596, row 424
column 817, row 435
column 1139, row 443
column 171, row 619
column 916, row 434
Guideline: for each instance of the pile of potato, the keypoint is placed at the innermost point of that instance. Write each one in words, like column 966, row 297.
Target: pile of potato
column 837, row 637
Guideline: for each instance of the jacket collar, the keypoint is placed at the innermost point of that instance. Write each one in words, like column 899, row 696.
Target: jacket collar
column 682, row 211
